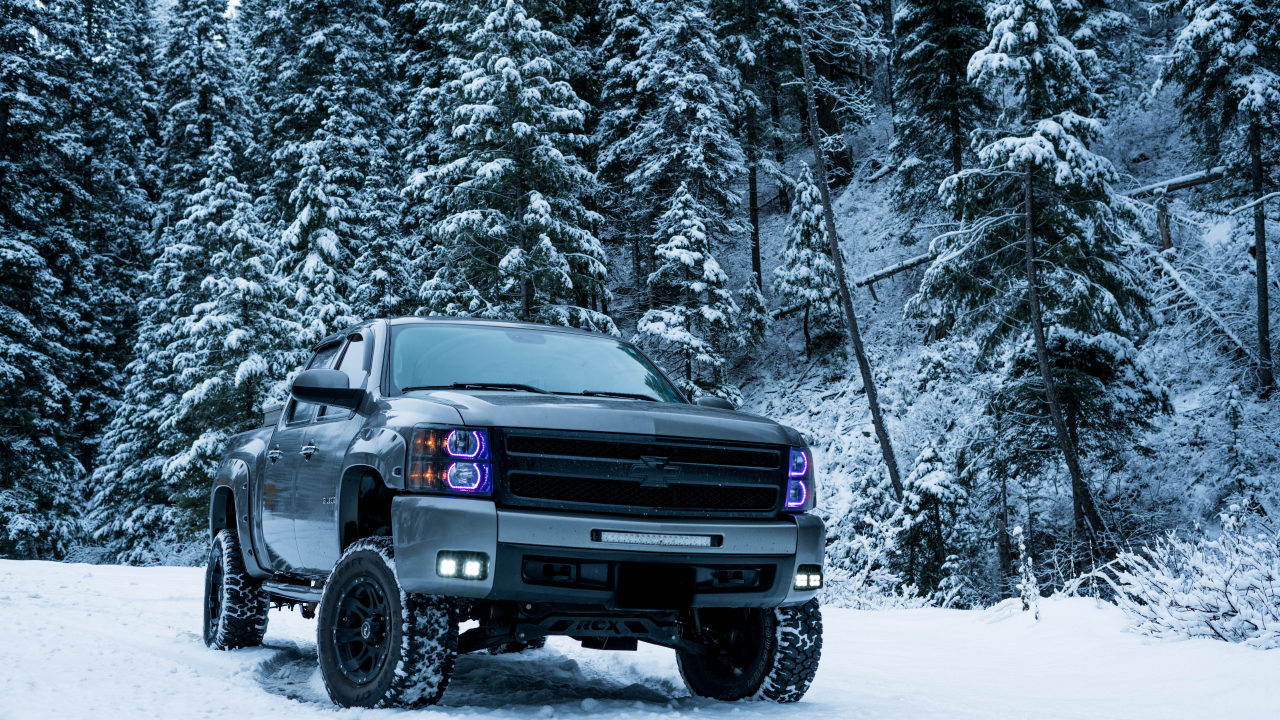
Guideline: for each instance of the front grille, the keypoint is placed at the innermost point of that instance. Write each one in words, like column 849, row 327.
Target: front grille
column 682, row 496
column 683, row 454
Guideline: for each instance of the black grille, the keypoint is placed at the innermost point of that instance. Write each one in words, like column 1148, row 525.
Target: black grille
column 611, row 492
column 684, row 454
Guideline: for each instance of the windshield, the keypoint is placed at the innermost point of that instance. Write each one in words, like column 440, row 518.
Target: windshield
column 442, row 356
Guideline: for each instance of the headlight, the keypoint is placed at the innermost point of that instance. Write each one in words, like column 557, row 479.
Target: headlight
column 450, row 459
column 800, row 482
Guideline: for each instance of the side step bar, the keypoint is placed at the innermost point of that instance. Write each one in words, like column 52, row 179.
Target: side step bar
column 296, row 593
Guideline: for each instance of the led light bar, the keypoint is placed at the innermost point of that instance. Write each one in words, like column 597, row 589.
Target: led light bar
column 632, row 538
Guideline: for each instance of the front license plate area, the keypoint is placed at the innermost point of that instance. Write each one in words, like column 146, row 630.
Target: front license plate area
column 653, row 586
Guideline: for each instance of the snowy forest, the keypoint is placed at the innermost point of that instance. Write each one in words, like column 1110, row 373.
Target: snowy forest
column 1003, row 264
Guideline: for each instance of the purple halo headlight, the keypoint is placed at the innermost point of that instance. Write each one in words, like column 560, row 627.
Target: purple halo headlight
column 796, row 494
column 468, row 477
column 449, row 459
column 799, row 463
column 799, row 481
column 467, row 444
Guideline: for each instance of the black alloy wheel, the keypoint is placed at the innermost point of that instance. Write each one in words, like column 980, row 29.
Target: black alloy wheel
column 378, row 645
column 213, row 590
column 760, row 653
column 362, row 636
column 235, row 607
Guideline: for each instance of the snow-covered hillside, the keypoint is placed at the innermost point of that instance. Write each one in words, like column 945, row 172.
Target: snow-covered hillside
column 101, row 641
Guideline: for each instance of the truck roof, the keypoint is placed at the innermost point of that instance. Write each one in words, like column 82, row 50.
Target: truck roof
column 447, row 320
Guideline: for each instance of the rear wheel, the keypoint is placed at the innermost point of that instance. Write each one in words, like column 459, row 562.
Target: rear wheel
column 764, row 654
column 380, row 646
column 235, row 607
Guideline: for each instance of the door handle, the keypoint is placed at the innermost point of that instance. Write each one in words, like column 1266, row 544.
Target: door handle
column 275, row 454
column 308, row 450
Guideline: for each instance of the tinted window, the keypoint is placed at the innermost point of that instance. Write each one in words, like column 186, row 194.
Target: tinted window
column 353, row 365
column 440, row 355
column 322, row 360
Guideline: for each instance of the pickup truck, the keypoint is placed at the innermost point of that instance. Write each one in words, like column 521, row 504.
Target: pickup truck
column 522, row 481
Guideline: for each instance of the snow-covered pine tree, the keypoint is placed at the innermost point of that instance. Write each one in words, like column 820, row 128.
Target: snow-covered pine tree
column 1109, row 395
column 937, row 530
column 512, row 237
column 1229, row 74
column 206, row 359
column 111, row 155
column 1043, row 230
column 621, row 109
column 326, row 72
column 696, row 320
column 202, row 101
column 682, row 104
column 39, row 256
column 133, row 511
column 937, row 105
column 806, row 274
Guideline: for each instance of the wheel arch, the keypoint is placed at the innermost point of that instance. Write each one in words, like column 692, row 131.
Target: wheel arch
column 363, row 498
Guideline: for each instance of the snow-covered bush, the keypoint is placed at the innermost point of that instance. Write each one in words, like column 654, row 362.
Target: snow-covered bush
column 1223, row 588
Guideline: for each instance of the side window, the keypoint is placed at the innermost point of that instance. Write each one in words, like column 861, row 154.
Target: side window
column 353, row 365
column 322, row 360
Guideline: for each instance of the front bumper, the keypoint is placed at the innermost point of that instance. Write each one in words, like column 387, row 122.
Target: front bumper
column 751, row 563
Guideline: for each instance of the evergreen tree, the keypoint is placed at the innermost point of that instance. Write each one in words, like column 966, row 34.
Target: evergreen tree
column 701, row 320
column 40, row 255
column 679, row 120
column 513, row 237
column 1041, row 245
column 807, row 274
column 202, row 100
column 206, row 358
column 1110, row 397
column 937, row 105
column 1226, row 63
column 324, row 72
column 937, row 530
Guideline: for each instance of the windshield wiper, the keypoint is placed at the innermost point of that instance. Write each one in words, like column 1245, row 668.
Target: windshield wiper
column 610, row 393
column 500, row 386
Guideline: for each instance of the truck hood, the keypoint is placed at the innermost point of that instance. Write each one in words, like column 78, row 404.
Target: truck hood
column 638, row 417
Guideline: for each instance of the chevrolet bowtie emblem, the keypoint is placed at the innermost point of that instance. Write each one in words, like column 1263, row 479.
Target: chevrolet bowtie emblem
column 655, row 471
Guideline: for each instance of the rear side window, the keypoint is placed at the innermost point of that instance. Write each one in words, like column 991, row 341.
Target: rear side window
column 322, row 360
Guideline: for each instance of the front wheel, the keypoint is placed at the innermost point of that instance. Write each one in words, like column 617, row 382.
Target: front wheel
column 380, row 646
column 235, row 607
column 763, row 654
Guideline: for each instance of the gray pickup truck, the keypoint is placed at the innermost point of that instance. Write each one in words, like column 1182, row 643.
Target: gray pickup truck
column 523, row 481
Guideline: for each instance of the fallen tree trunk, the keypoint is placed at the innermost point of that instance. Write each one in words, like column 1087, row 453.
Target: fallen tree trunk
column 1179, row 183
column 1191, row 295
column 892, row 270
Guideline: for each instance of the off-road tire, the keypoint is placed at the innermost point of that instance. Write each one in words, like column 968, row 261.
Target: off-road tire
column 518, row 647
column 235, row 606
column 419, row 641
column 778, row 654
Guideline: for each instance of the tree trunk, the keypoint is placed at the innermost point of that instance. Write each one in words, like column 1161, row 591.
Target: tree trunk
column 887, row 8
column 957, row 135
column 851, row 320
column 1087, row 521
column 779, row 152
column 526, row 283
column 807, row 341
column 1004, row 548
column 1162, row 222
column 1266, row 381
column 827, row 120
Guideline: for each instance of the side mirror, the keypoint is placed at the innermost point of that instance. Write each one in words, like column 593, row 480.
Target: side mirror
column 326, row 387
column 712, row 401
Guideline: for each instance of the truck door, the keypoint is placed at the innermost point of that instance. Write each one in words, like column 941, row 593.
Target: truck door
column 315, row 523
column 284, row 454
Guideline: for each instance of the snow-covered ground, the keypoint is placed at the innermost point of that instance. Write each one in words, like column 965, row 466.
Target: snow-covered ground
column 94, row 641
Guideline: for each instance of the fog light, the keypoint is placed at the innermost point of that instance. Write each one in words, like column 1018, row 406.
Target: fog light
column 808, row 577
column 462, row 565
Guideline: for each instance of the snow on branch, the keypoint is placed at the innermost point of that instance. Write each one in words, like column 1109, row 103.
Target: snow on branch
column 1224, row 588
